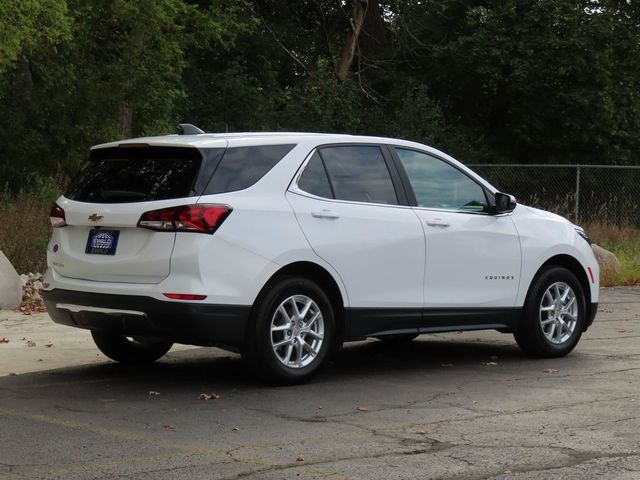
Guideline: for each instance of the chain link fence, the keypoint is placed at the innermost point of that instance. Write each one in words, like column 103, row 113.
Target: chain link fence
column 583, row 193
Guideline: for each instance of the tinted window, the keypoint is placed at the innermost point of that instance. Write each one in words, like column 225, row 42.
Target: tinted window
column 314, row 178
column 137, row 174
column 241, row 167
column 438, row 184
column 359, row 173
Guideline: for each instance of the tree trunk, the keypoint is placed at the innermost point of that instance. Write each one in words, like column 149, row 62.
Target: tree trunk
column 348, row 52
column 374, row 31
column 126, row 120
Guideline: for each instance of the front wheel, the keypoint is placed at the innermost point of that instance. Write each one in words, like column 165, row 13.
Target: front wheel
column 292, row 333
column 554, row 315
column 131, row 350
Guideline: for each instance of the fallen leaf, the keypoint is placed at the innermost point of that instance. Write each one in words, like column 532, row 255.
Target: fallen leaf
column 235, row 429
column 490, row 364
column 12, row 374
column 48, row 345
column 4, row 340
column 31, row 343
column 168, row 426
column 550, row 370
column 209, row 396
column 153, row 393
column 363, row 409
column 422, row 432
column 299, row 458
column 572, row 434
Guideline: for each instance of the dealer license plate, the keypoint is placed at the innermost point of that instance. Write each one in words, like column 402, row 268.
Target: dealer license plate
column 102, row 242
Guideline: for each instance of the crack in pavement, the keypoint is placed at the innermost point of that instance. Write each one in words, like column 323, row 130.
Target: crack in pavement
column 434, row 448
column 332, row 418
column 575, row 458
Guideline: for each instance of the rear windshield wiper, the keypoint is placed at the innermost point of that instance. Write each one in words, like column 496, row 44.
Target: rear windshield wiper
column 120, row 194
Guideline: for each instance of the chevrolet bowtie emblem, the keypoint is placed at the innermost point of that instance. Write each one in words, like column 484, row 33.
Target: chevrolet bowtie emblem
column 95, row 217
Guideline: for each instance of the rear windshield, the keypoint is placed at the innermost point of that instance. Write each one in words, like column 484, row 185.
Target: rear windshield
column 117, row 175
column 142, row 174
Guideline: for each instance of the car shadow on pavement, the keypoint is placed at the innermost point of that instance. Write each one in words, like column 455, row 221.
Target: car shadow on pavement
column 198, row 370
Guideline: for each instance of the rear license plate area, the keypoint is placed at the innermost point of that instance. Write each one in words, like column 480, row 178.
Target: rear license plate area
column 102, row 242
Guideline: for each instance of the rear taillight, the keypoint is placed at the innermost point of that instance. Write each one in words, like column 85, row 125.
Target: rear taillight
column 204, row 218
column 56, row 216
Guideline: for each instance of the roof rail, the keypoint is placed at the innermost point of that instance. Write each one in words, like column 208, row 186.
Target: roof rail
column 188, row 129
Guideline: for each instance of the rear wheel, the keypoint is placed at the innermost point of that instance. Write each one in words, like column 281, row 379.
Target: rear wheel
column 292, row 333
column 130, row 350
column 554, row 314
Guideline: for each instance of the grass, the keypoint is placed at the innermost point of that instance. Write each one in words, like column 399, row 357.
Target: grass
column 24, row 231
column 624, row 242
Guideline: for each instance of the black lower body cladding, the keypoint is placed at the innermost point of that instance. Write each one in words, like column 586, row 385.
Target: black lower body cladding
column 179, row 322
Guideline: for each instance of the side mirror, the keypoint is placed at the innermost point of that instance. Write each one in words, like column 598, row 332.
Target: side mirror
column 504, row 203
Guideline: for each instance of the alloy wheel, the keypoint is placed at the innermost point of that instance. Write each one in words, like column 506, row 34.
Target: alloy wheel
column 297, row 331
column 558, row 313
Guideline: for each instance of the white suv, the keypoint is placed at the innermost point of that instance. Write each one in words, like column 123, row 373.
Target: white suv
column 285, row 245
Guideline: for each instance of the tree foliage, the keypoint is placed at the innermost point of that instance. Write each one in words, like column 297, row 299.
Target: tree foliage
column 488, row 80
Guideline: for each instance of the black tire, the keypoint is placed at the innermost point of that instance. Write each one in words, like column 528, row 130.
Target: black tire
column 398, row 339
column 268, row 361
column 130, row 351
column 531, row 335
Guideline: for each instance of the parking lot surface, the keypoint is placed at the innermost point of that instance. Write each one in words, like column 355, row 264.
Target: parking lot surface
column 447, row 406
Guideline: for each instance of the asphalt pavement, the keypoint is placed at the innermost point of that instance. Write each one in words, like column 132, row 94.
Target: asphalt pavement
column 456, row 406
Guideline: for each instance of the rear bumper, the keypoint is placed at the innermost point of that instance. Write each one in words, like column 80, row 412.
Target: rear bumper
column 180, row 322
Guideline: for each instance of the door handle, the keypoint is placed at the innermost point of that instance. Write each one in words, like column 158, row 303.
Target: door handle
column 437, row 222
column 325, row 214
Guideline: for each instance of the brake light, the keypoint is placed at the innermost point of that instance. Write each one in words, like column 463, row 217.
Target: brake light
column 56, row 216
column 184, row 296
column 133, row 145
column 202, row 218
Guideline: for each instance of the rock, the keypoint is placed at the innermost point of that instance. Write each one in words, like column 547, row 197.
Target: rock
column 10, row 285
column 607, row 260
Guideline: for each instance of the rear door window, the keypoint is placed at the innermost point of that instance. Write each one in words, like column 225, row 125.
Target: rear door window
column 314, row 179
column 359, row 173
